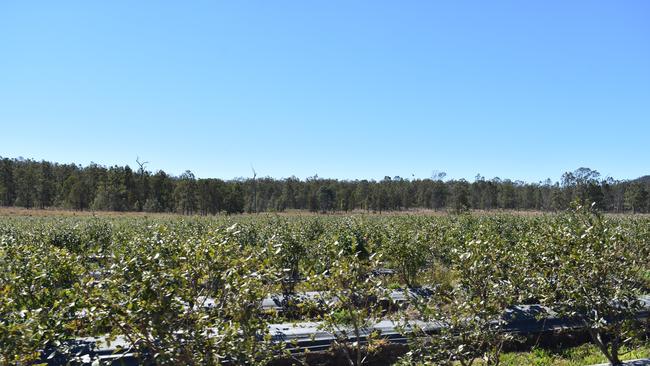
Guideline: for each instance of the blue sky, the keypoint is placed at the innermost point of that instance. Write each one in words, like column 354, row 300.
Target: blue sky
column 344, row 89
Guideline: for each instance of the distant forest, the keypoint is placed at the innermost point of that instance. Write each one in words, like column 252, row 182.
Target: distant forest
column 41, row 184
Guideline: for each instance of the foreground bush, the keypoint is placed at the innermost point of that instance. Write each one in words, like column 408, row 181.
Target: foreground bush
column 151, row 280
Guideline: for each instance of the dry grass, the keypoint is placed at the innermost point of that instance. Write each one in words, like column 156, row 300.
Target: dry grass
column 19, row 211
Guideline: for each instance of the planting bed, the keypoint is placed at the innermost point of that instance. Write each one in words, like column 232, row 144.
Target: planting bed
column 262, row 290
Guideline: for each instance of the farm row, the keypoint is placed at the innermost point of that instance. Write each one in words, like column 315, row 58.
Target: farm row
column 193, row 290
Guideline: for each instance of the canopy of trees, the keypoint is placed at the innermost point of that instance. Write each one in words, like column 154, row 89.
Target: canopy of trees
column 33, row 184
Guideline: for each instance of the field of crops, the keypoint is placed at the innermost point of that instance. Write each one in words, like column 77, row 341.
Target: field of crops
column 191, row 290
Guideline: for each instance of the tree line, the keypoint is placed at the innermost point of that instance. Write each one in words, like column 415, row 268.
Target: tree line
column 42, row 184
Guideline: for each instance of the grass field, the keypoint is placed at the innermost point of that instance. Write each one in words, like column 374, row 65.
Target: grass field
column 18, row 211
column 578, row 356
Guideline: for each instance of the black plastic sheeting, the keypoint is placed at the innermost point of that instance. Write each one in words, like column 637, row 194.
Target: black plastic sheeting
column 523, row 320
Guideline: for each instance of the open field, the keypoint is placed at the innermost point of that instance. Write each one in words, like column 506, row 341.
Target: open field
column 19, row 211
column 34, row 212
column 182, row 289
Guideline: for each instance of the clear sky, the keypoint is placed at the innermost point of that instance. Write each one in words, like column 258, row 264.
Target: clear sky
column 343, row 89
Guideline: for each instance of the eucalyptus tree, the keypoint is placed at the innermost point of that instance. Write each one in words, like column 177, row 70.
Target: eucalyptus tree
column 460, row 196
column 185, row 193
column 636, row 198
column 7, row 183
column 326, row 199
column 161, row 191
column 46, row 185
column 25, row 175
